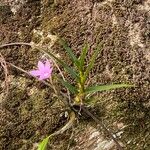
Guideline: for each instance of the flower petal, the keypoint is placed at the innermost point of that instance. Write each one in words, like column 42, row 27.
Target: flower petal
column 42, row 77
column 41, row 66
column 35, row 73
column 47, row 64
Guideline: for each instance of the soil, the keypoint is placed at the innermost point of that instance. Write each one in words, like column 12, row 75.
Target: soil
column 31, row 111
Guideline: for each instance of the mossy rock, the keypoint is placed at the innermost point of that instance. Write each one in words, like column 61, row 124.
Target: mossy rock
column 123, row 26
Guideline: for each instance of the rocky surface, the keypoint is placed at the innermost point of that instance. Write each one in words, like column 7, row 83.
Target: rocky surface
column 31, row 111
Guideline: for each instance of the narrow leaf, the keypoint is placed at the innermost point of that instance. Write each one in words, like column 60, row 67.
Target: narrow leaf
column 70, row 53
column 82, row 57
column 43, row 144
column 91, row 64
column 70, row 87
column 71, row 71
column 105, row 87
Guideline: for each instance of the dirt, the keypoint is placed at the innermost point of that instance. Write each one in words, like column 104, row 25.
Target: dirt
column 31, row 111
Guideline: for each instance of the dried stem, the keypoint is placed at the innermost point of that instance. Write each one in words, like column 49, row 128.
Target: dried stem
column 4, row 65
column 67, row 126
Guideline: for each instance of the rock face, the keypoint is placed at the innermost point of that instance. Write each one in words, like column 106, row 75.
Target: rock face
column 123, row 26
column 14, row 4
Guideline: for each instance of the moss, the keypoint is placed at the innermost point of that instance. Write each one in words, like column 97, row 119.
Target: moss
column 32, row 114
column 5, row 13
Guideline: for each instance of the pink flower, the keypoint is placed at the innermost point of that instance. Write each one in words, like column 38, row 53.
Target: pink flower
column 44, row 70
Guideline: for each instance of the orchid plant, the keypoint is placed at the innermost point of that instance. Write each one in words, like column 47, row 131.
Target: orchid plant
column 79, row 73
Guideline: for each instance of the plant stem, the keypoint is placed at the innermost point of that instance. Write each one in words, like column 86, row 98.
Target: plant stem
column 67, row 126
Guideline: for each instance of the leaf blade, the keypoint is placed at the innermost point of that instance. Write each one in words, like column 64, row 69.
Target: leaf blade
column 105, row 87
column 70, row 87
column 70, row 53
column 43, row 144
column 92, row 60
column 82, row 57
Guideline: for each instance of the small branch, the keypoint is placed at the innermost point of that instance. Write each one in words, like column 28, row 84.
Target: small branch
column 53, row 86
column 69, row 143
column 68, row 93
column 103, row 126
column 4, row 65
column 16, row 43
column 67, row 126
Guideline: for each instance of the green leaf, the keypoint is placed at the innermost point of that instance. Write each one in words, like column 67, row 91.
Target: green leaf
column 71, row 71
column 105, row 87
column 68, row 69
column 82, row 57
column 43, row 144
column 91, row 64
column 70, row 53
column 70, row 87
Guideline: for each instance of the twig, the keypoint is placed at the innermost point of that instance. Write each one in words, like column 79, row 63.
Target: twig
column 4, row 65
column 16, row 43
column 103, row 126
column 63, row 79
column 67, row 126
column 53, row 86
column 61, row 76
column 68, row 147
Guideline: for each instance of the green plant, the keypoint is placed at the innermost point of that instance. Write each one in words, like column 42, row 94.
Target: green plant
column 80, row 73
